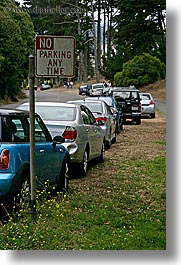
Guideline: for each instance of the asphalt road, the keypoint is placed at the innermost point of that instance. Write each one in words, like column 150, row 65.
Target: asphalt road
column 57, row 96
column 161, row 106
column 46, row 95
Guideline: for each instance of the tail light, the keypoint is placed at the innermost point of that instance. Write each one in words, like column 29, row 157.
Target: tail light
column 152, row 102
column 139, row 107
column 104, row 119
column 70, row 133
column 4, row 159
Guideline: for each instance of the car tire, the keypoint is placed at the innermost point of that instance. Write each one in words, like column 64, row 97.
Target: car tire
column 121, row 126
column 64, row 177
column 108, row 144
column 83, row 167
column 114, row 139
column 152, row 115
column 21, row 199
column 138, row 121
column 102, row 155
column 118, row 128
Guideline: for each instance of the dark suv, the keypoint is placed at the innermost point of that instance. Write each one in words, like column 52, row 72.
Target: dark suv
column 128, row 99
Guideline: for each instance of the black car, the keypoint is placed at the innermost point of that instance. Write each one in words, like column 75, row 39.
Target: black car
column 128, row 100
column 85, row 89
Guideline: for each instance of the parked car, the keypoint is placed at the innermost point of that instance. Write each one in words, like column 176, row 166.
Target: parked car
column 46, row 84
column 148, row 106
column 128, row 99
column 97, row 89
column 118, row 113
column 84, row 138
column 52, row 158
column 103, row 114
column 85, row 89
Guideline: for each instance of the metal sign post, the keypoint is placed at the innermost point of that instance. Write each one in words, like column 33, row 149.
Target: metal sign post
column 32, row 138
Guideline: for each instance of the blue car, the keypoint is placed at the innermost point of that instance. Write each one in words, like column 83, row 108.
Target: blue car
column 52, row 158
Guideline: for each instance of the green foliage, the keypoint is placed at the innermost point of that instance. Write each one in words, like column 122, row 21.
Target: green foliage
column 139, row 27
column 16, row 43
column 141, row 70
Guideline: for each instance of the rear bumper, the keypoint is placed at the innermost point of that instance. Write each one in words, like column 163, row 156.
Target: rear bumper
column 131, row 115
column 76, row 152
column 147, row 110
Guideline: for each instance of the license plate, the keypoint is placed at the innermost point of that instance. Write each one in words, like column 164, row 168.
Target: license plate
column 134, row 108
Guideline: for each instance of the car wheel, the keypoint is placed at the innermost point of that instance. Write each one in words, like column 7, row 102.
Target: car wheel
column 102, row 155
column 118, row 128
column 138, row 121
column 114, row 139
column 21, row 200
column 108, row 144
column 121, row 126
column 64, row 177
column 84, row 165
column 152, row 115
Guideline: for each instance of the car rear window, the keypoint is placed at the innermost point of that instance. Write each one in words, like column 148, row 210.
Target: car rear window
column 59, row 113
column 94, row 107
column 145, row 97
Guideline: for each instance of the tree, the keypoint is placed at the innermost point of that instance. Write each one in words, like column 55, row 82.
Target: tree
column 138, row 27
column 16, row 43
column 141, row 70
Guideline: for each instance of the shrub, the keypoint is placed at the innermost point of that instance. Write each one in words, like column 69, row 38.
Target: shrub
column 141, row 70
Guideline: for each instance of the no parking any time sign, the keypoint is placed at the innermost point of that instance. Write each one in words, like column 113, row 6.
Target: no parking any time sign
column 55, row 56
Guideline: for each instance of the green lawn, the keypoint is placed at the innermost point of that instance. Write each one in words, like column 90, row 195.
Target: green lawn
column 125, row 210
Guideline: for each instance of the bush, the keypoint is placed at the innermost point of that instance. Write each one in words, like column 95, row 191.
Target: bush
column 141, row 70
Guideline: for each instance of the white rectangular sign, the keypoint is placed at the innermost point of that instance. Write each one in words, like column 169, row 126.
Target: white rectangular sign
column 55, row 56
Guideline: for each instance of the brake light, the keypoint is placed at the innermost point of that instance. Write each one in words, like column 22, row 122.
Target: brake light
column 104, row 119
column 4, row 159
column 70, row 133
column 152, row 102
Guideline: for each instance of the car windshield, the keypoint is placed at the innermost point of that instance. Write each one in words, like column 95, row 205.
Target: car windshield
column 58, row 113
column 108, row 100
column 94, row 106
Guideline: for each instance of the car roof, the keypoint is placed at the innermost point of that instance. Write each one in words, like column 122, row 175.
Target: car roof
column 84, row 101
column 145, row 93
column 50, row 104
column 97, row 84
column 119, row 89
column 6, row 111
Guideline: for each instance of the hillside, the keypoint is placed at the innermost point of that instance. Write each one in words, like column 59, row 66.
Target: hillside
column 157, row 89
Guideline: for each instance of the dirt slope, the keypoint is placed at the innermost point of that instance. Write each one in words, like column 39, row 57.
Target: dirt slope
column 157, row 89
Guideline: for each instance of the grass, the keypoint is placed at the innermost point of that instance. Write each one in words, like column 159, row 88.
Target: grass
column 125, row 210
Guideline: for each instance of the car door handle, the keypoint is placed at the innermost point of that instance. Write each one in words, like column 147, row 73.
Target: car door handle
column 42, row 151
